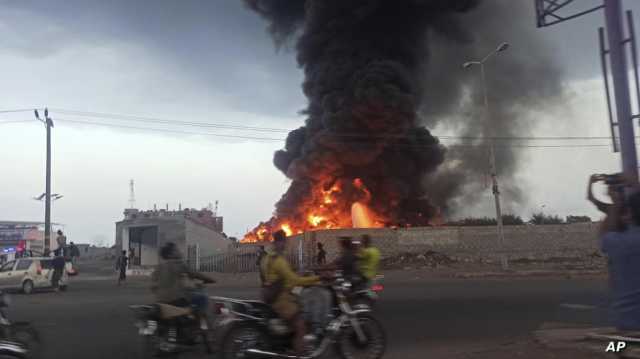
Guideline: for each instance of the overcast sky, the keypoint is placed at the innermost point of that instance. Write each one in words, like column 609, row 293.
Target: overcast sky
column 211, row 61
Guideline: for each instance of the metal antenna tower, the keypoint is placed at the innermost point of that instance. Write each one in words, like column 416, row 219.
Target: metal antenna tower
column 132, row 195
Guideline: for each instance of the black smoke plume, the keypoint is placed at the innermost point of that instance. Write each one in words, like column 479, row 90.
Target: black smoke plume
column 378, row 71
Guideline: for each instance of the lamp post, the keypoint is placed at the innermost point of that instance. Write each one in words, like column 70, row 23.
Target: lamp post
column 492, row 156
column 47, row 206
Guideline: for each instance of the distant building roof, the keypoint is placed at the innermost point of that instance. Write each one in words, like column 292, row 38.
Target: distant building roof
column 24, row 223
column 203, row 217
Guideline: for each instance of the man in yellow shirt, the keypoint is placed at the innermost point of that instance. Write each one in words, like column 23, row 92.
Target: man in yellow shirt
column 277, row 270
column 369, row 258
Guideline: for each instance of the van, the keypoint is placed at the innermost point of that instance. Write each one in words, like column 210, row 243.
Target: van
column 29, row 273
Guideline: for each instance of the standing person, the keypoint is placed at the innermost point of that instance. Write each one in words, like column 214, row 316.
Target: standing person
column 58, row 268
column 280, row 280
column 74, row 252
column 61, row 239
column 321, row 257
column 601, row 206
column 621, row 243
column 121, row 266
column 261, row 255
column 132, row 257
column 369, row 259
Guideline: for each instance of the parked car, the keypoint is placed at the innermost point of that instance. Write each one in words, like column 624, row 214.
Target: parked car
column 30, row 273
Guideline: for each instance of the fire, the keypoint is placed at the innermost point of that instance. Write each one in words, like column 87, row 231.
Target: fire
column 332, row 204
column 327, row 196
column 287, row 229
column 315, row 220
column 361, row 216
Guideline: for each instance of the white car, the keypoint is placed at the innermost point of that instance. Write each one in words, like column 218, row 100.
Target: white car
column 29, row 273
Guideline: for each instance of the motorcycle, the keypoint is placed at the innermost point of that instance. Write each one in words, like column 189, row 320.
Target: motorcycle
column 367, row 297
column 17, row 339
column 252, row 330
column 166, row 329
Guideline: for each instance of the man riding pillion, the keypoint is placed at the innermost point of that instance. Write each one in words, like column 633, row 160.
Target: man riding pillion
column 347, row 262
column 172, row 281
column 280, row 280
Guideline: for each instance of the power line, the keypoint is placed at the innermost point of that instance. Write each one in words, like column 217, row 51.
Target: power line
column 169, row 130
column 18, row 110
column 103, row 115
column 165, row 121
column 90, row 114
column 14, row 121
column 104, row 124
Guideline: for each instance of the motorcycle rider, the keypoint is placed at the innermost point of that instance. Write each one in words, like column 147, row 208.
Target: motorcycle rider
column 369, row 257
column 280, row 275
column 347, row 262
column 171, row 280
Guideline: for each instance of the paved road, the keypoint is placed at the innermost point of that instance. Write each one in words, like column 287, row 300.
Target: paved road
column 436, row 318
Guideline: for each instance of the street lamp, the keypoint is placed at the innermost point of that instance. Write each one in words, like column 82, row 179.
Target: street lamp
column 47, row 200
column 54, row 197
column 492, row 156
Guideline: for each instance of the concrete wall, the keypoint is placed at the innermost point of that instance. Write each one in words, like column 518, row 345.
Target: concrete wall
column 209, row 241
column 473, row 243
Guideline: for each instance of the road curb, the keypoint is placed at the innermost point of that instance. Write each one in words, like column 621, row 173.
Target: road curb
column 592, row 339
column 530, row 273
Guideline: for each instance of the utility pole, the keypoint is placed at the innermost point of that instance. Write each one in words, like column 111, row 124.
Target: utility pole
column 47, row 202
column 492, row 154
column 619, row 72
column 551, row 12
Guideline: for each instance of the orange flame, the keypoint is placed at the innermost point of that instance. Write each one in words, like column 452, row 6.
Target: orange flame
column 287, row 229
column 362, row 217
column 345, row 204
column 315, row 220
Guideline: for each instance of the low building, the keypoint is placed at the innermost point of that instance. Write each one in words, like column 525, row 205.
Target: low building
column 17, row 236
column 90, row 251
column 195, row 232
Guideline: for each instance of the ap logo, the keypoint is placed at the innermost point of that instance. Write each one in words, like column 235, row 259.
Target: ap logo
column 616, row 347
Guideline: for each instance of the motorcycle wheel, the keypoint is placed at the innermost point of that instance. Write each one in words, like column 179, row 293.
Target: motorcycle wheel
column 147, row 347
column 28, row 336
column 207, row 340
column 241, row 338
column 375, row 346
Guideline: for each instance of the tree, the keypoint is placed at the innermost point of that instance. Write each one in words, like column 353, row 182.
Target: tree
column 507, row 220
column 578, row 219
column 541, row 219
column 511, row 220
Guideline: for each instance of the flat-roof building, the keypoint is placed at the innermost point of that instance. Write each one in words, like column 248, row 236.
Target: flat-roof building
column 195, row 232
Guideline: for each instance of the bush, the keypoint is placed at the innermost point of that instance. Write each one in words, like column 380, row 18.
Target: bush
column 507, row 220
column 542, row 219
column 578, row 219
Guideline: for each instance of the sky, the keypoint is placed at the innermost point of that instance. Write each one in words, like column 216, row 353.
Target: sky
column 212, row 62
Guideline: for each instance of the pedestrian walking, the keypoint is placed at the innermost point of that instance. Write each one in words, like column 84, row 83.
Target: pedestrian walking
column 61, row 239
column 132, row 257
column 74, row 252
column 121, row 266
column 321, row 256
column 58, row 268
